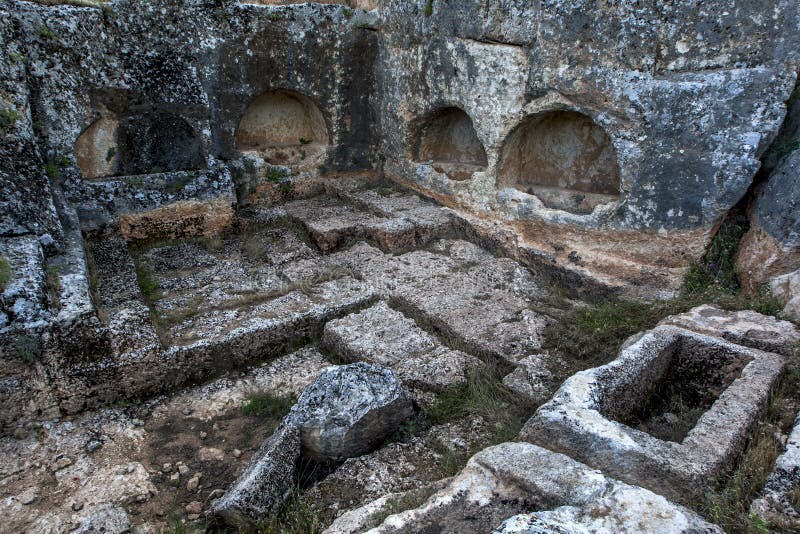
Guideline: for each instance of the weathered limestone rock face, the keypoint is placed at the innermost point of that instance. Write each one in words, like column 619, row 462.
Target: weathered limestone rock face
column 771, row 248
column 787, row 288
column 111, row 519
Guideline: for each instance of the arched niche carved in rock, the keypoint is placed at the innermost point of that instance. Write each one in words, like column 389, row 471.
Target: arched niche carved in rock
column 142, row 143
column 286, row 127
column 563, row 158
column 446, row 138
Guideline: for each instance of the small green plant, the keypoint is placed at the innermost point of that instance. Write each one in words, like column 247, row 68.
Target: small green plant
column 295, row 516
column 110, row 153
column 46, row 33
column 485, row 395
column 9, row 117
column 150, row 289
column 275, row 174
column 428, row 9
column 347, row 12
column 16, row 58
column 179, row 184
column 64, row 161
column 304, row 141
column 286, row 188
column 52, row 170
column 155, row 169
column 5, row 273
column 267, row 405
column 274, row 16
column 27, row 348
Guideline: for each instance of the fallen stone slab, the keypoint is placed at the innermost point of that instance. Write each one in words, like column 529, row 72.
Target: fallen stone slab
column 778, row 503
column 386, row 337
column 348, row 411
column 514, row 478
column 266, row 481
column 746, row 327
column 619, row 417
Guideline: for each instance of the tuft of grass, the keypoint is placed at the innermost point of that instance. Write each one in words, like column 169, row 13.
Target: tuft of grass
column 347, row 12
column 295, row 516
column 16, row 58
column 407, row 501
column 9, row 117
column 717, row 267
column 110, row 153
column 52, row 170
column 303, row 140
column 45, row 33
column 428, row 9
column 268, row 405
column 150, row 289
column 484, row 395
column 275, row 174
column 179, row 184
column 5, row 273
column 27, row 348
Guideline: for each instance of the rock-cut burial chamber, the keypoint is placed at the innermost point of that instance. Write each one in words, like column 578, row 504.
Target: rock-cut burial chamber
column 287, row 127
column 563, row 158
column 447, row 140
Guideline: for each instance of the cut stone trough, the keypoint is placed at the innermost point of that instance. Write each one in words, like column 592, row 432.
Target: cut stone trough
column 671, row 413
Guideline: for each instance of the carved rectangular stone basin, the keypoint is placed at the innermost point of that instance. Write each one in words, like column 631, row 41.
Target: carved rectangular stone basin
column 671, row 413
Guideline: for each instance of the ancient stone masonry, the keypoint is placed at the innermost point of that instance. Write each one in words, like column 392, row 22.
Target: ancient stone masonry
column 618, row 417
column 263, row 258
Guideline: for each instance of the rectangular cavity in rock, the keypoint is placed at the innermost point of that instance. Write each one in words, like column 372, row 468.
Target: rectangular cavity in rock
column 678, row 388
column 594, row 416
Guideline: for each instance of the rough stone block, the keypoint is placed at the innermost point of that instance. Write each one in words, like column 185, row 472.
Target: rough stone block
column 266, row 481
column 746, row 327
column 514, row 478
column 385, row 336
column 621, row 417
column 349, row 410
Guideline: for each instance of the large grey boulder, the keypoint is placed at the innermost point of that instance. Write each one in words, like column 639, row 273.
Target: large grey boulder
column 349, row 410
column 265, row 483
